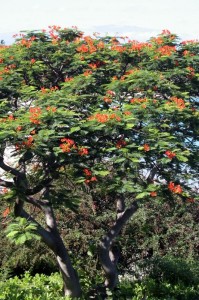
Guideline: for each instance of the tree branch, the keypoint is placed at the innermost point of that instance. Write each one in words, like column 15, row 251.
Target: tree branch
column 20, row 212
column 39, row 187
column 9, row 169
column 5, row 183
column 107, row 256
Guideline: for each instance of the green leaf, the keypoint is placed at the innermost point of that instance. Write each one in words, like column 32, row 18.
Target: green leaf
column 74, row 129
column 142, row 195
column 102, row 173
column 119, row 160
column 182, row 158
column 12, row 234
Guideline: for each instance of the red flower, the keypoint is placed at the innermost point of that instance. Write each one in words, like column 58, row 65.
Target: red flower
column 35, row 113
column 43, row 90
column 87, row 172
column 171, row 186
column 153, row 194
column 177, row 189
column 170, row 154
column 107, row 100
column 51, row 108
column 6, row 212
column 82, row 48
column 11, row 118
column 93, row 178
column 67, row 145
column 87, row 73
column 83, row 151
column 120, row 144
column 68, row 79
column 146, row 147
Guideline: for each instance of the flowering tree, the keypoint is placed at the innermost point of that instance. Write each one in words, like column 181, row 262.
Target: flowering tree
column 115, row 117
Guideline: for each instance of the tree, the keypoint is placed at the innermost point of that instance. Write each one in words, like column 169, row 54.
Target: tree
column 118, row 119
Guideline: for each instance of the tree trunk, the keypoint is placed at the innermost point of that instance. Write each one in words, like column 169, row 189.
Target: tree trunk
column 108, row 254
column 71, row 286
column 52, row 238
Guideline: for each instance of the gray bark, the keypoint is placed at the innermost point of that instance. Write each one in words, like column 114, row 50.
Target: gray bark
column 50, row 235
column 108, row 254
column 53, row 240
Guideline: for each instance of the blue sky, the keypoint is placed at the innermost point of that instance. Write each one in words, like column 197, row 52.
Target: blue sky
column 139, row 19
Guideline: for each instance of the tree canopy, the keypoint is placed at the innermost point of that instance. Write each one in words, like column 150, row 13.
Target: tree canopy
column 116, row 117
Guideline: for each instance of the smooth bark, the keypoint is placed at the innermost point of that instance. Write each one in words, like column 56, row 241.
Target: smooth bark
column 108, row 254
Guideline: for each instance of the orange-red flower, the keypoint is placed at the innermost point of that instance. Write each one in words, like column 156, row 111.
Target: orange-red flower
column 43, row 90
column 67, row 144
column 166, row 50
column 153, row 194
column 170, row 154
column 51, row 108
column 177, row 189
column 107, row 100
column 146, row 147
column 11, row 118
column 83, row 48
column 87, row 172
column 35, row 113
column 6, row 212
column 19, row 128
column 83, row 151
column 120, row 144
column 87, row 73
column 68, row 79
column 178, row 101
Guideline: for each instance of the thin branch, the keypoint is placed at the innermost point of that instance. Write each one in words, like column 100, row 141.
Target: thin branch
column 39, row 187
column 19, row 211
column 5, row 183
column 9, row 169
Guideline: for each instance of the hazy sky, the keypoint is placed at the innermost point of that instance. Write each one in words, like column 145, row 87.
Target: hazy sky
column 138, row 18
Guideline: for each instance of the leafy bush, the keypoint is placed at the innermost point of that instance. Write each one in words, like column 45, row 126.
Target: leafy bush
column 43, row 287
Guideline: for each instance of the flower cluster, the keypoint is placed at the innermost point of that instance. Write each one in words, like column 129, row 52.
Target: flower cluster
column 138, row 46
column 166, row 50
column 174, row 188
column 51, row 109
column 121, row 143
column 67, row 145
column 89, row 47
column 35, row 114
column 191, row 72
column 178, row 101
column 104, row 118
column 138, row 100
column 170, row 154
column 89, row 177
column 83, row 151
column 153, row 194
column 25, row 144
column 109, row 96
column 146, row 147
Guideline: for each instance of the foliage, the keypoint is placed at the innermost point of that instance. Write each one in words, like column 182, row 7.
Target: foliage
column 49, row 287
column 21, row 231
column 96, row 119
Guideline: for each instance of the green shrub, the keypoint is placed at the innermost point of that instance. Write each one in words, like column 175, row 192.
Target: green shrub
column 43, row 287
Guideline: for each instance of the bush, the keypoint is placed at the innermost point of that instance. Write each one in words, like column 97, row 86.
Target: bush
column 43, row 287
